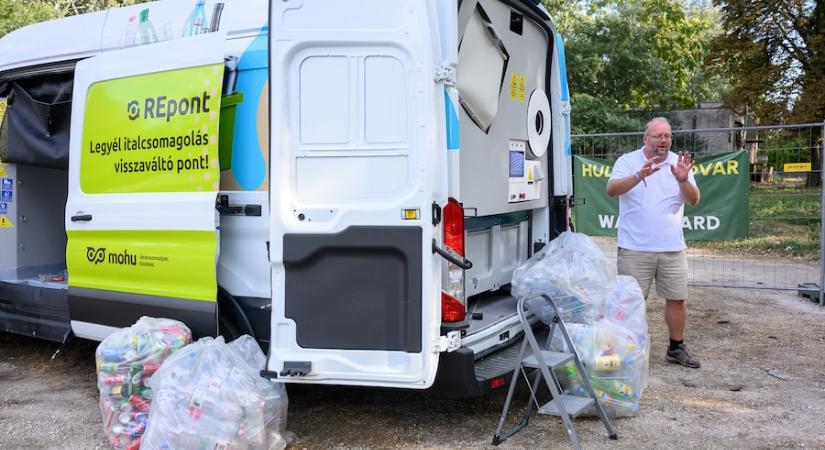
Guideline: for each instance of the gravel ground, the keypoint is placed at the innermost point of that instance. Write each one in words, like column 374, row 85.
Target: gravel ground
column 48, row 396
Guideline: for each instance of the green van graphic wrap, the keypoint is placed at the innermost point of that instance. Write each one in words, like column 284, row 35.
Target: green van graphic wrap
column 179, row 264
column 153, row 133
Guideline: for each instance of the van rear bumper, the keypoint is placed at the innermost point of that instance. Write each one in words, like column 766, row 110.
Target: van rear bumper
column 461, row 375
column 120, row 309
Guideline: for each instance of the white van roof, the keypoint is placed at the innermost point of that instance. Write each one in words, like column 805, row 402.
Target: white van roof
column 86, row 35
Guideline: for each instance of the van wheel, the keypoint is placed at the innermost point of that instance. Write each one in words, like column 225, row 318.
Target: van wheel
column 227, row 329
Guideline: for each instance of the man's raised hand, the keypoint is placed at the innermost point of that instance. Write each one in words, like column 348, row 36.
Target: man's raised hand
column 684, row 164
column 648, row 169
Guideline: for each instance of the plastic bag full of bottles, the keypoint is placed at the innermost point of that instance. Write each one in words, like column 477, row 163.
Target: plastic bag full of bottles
column 210, row 395
column 126, row 360
column 603, row 313
column 574, row 271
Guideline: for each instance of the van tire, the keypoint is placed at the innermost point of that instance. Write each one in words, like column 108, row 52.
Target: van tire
column 227, row 328
column 231, row 317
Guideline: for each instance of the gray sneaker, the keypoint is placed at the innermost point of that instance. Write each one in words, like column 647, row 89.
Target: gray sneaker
column 681, row 356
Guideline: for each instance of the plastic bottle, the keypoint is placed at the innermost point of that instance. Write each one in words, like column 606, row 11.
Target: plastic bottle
column 130, row 36
column 196, row 23
column 165, row 32
column 148, row 35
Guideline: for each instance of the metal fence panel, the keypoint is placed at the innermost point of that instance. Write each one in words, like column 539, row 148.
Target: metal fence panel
column 783, row 246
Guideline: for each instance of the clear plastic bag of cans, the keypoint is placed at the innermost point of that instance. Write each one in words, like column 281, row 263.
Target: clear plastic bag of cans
column 572, row 270
column 210, row 395
column 616, row 364
column 625, row 307
column 126, row 360
column 604, row 314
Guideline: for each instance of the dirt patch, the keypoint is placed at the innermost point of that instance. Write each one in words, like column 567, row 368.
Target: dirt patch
column 731, row 402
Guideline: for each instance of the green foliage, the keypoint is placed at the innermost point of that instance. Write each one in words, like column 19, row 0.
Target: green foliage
column 634, row 55
column 782, row 148
column 72, row 7
column 774, row 51
column 18, row 13
column 784, row 222
column 597, row 114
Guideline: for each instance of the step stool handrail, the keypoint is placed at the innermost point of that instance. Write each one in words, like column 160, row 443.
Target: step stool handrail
column 547, row 298
column 556, row 321
column 528, row 330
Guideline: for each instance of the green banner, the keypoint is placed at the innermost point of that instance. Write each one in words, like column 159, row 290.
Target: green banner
column 152, row 133
column 178, row 264
column 722, row 212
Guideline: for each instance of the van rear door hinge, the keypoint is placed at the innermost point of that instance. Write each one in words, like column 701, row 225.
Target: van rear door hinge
column 445, row 73
column 449, row 343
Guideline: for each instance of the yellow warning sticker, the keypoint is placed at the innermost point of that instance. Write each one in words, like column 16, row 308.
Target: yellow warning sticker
column 2, row 170
column 514, row 86
column 797, row 167
column 518, row 83
column 5, row 222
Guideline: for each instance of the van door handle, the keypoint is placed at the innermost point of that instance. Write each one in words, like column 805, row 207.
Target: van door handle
column 81, row 217
column 464, row 263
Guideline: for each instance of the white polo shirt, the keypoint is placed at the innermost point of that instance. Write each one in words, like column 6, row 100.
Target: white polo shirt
column 650, row 217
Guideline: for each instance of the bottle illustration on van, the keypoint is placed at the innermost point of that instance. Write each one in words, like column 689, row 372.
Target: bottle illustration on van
column 140, row 30
column 196, row 23
column 356, row 197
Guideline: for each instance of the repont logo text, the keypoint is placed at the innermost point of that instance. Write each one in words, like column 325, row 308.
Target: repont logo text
column 162, row 107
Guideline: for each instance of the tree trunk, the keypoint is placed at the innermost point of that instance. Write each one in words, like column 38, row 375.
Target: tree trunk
column 815, row 175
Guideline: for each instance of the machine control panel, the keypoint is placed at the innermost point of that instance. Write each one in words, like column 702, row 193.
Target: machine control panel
column 525, row 174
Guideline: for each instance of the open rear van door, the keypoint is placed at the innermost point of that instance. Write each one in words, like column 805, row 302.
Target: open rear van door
column 143, row 179
column 357, row 128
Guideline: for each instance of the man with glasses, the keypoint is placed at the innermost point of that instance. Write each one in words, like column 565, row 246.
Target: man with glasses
column 651, row 241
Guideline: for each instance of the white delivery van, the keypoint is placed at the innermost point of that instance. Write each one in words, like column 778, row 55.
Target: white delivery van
column 352, row 183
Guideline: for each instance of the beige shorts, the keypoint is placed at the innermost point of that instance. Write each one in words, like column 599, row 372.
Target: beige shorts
column 669, row 269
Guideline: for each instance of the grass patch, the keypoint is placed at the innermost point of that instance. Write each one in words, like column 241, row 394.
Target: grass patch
column 784, row 222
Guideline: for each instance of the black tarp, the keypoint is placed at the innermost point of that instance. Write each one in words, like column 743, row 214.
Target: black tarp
column 35, row 130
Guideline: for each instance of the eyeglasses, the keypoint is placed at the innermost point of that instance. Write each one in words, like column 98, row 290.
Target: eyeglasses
column 661, row 137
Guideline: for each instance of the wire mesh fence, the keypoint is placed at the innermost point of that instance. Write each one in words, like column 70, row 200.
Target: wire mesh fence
column 782, row 248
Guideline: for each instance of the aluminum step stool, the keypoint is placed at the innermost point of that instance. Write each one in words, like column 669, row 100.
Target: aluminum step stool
column 565, row 406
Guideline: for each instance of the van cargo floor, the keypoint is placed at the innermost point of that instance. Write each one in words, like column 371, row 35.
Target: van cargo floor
column 33, row 302
column 493, row 308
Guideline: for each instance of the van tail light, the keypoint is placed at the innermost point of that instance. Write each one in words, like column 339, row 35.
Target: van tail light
column 452, row 310
column 498, row 382
column 453, row 303
column 454, row 226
